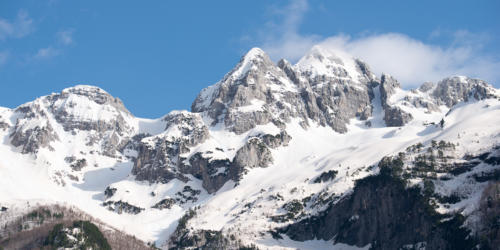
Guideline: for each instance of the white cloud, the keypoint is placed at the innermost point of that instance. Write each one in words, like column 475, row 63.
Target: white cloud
column 46, row 53
column 282, row 40
column 411, row 61
column 20, row 27
column 65, row 37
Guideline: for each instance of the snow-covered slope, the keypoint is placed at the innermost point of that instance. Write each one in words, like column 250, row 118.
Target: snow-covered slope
column 267, row 147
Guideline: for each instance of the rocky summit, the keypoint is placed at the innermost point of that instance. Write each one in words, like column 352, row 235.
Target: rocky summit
column 321, row 154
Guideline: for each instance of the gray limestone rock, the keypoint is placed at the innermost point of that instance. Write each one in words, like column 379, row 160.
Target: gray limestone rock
column 80, row 108
column 378, row 212
column 257, row 92
column 274, row 141
column 164, row 157
column 393, row 116
column 426, row 86
column 388, row 86
column 94, row 94
column 419, row 102
column 245, row 85
column 4, row 125
column 453, row 90
column 335, row 96
column 159, row 157
column 213, row 173
column 111, row 132
column 32, row 137
column 253, row 154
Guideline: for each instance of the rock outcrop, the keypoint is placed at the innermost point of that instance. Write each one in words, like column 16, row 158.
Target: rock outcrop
column 322, row 87
column 169, row 155
column 325, row 87
column 453, row 90
column 33, row 130
column 159, row 157
column 393, row 116
column 341, row 86
column 378, row 213
column 80, row 108
column 430, row 96
column 241, row 99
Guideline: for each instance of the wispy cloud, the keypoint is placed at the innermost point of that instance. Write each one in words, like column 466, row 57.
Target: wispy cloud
column 414, row 62
column 46, row 53
column 65, row 37
column 4, row 56
column 282, row 39
column 410, row 60
column 21, row 26
column 18, row 28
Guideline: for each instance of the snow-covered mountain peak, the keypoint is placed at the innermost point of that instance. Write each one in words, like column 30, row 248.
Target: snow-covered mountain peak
column 255, row 53
column 452, row 90
column 254, row 60
column 270, row 155
column 254, row 84
column 94, row 94
column 390, row 84
column 84, row 89
column 254, row 63
column 322, row 61
column 90, row 112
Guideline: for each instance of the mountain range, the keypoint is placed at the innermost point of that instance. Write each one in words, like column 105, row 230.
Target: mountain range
column 322, row 154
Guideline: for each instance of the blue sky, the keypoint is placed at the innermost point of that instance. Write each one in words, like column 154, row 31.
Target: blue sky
column 157, row 55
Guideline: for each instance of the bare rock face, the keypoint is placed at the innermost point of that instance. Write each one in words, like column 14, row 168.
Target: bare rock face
column 421, row 102
column 341, row 86
column 213, row 173
column 429, row 96
column 378, row 212
column 396, row 117
column 489, row 208
column 168, row 156
column 257, row 92
column 33, row 130
column 160, row 156
column 426, row 86
column 4, row 125
column 237, row 89
column 252, row 94
column 254, row 154
column 69, row 106
column 91, row 109
column 388, row 86
column 393, row 116
column 453, row 90
column 322, row 87
column 33, row 139
column 81, row 108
